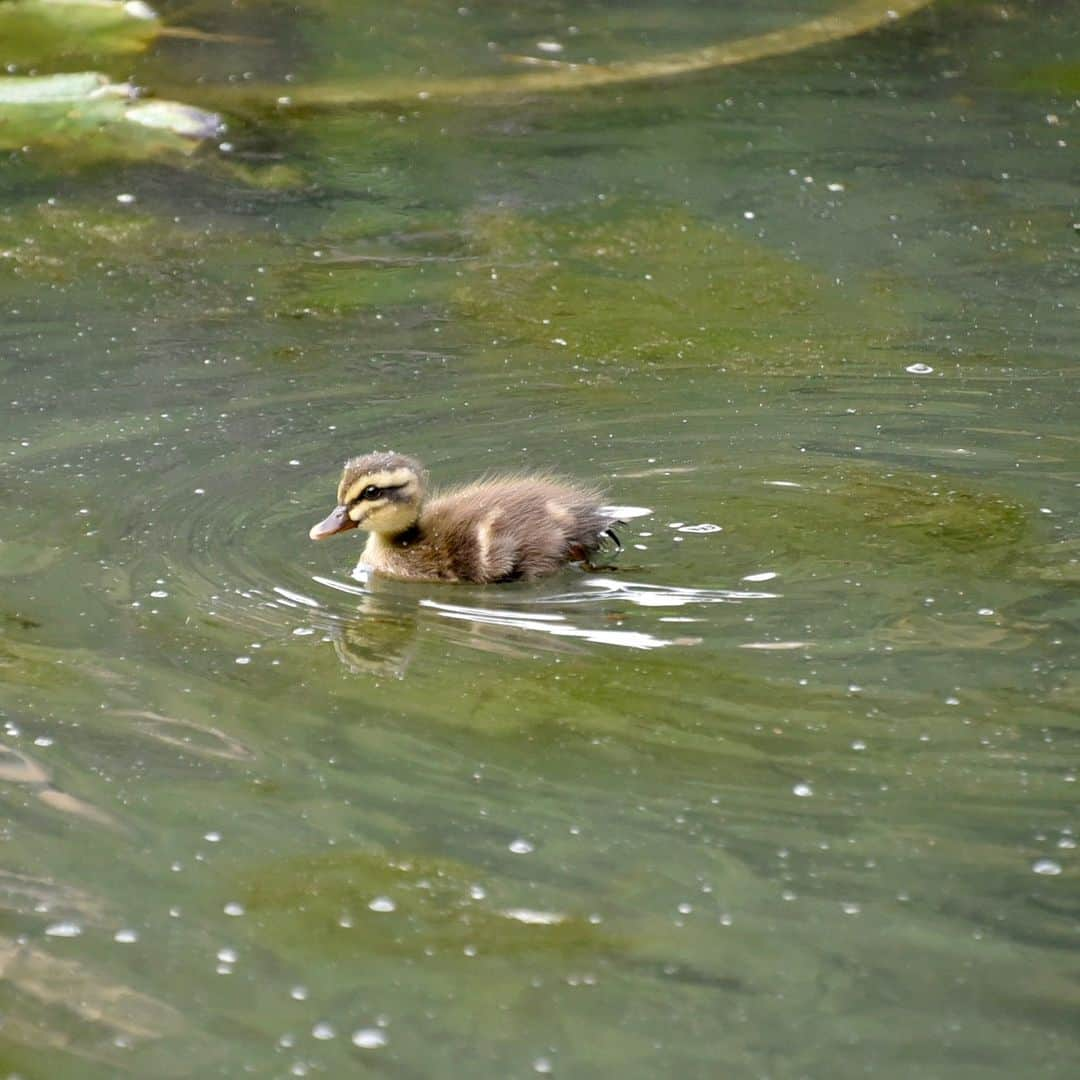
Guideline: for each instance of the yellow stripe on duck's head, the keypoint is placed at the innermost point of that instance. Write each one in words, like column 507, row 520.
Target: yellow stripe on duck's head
column 378, row 492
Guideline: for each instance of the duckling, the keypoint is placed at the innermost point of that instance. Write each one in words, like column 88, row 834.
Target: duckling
column 507, row 528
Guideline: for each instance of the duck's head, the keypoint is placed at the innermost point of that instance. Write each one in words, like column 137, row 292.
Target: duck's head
column 378, row 492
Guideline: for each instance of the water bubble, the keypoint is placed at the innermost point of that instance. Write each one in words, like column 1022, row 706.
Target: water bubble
column 227, row 956
column 542, row 1065
column 521, row 847
column 765, row 575
column 534, row 918
column 1044, row 866
column 125, row 199
column 323, row 1030
column 704, row 527
column 299, row 993
column 369, row 1038
column 849, row 908
column 233, row 908
column 243, row 660
column 213, row 837
column 382, row 903
column 63, row 929
column 126, row 937
column 804, row 791
column 919, row 369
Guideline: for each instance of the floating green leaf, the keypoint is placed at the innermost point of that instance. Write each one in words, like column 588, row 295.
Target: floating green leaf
column 90, row 117
column 44, row 31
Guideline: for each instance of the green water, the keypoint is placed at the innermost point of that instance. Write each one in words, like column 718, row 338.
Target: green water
column 792, row 792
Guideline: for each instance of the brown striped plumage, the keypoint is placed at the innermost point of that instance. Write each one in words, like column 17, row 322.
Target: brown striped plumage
column 505, row 528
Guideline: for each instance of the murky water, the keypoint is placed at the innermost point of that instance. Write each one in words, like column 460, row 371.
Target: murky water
column 791, row 791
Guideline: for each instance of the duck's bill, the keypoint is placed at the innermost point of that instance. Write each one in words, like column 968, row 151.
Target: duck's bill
column 337, row 521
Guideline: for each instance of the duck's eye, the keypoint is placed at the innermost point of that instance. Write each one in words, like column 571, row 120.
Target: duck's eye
column 370, row 492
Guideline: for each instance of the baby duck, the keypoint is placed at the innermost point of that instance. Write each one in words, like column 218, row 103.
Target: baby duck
column 508, row 528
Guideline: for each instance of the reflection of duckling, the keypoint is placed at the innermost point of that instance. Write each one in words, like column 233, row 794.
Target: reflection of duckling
column 499, row 529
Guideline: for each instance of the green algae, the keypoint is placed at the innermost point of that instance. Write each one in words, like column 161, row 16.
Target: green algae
column 647, row 286
column 421, row 903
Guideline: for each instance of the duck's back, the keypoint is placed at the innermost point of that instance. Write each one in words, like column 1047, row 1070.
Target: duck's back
column 506, row 529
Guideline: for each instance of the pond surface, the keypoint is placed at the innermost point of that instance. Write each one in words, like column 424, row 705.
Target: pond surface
column 792, row 791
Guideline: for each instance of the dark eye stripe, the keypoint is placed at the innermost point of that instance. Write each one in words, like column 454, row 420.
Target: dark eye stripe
column 376, row 492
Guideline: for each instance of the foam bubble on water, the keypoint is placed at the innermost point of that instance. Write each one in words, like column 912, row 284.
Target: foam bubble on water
column 919, row 369
column 534, row 918
column 521, row 846
column 1047, row 867
column 323, row 1030
column 126, row 936
column 369, row 1038
column 233, row 908
column 63, row 929
column 804, row 791
column 382, row 903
